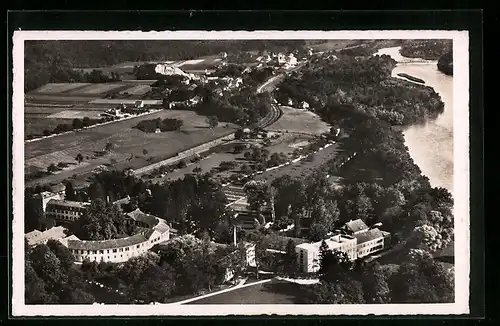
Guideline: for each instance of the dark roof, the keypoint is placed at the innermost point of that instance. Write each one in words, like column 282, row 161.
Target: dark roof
column 67, row 203
column 138, row 215
column 106, row 244
column 58, row 187
column 356, row 225
column 369, row 235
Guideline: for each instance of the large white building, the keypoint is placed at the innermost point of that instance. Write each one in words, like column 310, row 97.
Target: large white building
column 153, row 230
column 308, row 255
column 64, row 211
column 357, row 240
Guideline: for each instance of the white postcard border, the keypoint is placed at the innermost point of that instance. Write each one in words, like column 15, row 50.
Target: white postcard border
column 461, row 181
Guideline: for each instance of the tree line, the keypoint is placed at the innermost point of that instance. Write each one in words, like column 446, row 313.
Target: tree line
column 426, row 49
column 166, row 124
column 55, row 61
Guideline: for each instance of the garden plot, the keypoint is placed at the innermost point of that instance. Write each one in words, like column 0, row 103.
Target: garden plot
column 300, row 121
column 301, row 167
column 74, row 114
column 97, row 88
column 137, row 90
column 59, row 87
column 129, row 143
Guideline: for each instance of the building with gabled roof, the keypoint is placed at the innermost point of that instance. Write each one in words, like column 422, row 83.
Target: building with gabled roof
column 65, row 211
column 151, row 231
column 355, row 226
column 38, row 237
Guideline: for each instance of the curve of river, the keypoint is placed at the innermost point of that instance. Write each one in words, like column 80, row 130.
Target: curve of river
column 430, row 145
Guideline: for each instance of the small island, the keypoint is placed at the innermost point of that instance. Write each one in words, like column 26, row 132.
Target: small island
column 412, row 78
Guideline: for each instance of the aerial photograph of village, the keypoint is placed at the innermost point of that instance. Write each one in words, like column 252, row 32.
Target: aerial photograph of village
column 238, row 171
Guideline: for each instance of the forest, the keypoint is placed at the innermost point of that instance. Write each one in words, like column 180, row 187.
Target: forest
column 56, row 61
column 166, row 124
column 426, row 49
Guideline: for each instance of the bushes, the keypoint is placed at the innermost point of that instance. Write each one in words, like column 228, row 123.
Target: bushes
column 166, row 124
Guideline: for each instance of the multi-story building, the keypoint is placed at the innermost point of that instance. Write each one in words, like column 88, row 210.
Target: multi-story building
column 36, row 237
column 153, row 231
column 65, row 211
column 45, row 197
column 356, row 239
column 370, row 241
column 308, row 255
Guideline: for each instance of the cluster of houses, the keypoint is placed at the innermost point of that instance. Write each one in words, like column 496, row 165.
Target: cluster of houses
column 280, row 59
column 355, row 238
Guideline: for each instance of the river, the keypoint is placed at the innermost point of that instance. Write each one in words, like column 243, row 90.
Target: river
column 430, row 145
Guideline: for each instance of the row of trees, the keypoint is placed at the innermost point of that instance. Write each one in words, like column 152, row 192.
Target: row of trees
column 166, row 124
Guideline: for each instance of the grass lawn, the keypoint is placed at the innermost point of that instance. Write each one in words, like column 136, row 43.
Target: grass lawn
column 274, row 292
column 35, row 124
column 128, row 142
column 300, row 121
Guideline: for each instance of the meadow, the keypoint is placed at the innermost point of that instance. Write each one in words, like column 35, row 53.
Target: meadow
column 128, row 142
column 299, row 121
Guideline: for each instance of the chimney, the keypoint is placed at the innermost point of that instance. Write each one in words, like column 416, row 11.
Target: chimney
column 234, row 235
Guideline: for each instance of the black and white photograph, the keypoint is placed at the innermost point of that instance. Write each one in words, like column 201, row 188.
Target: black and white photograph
column 240, row 173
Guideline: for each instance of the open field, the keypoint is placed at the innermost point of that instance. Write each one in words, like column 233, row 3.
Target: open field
column 299, row 121
column 97, row 88
column 124, row 101
column 206, row 165
column 35, row 99
column 303, row 167
column 273, row 292
column 330, row 45
column 74, row 114
column 137, row 90
column 59, row 87
column 129, row 142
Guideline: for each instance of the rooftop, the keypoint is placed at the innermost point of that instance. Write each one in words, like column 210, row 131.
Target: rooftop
column 356, row 226
column 140, row 216
column 333, row 242
column 47, row 194
column 58, row 187
column 36, row 237
column 369, row 235
column 106, row 244
column 68, row 203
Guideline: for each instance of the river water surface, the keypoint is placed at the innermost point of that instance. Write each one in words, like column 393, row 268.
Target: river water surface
column 430, row 145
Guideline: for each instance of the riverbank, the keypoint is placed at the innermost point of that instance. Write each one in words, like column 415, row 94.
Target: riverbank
column 430, row 144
